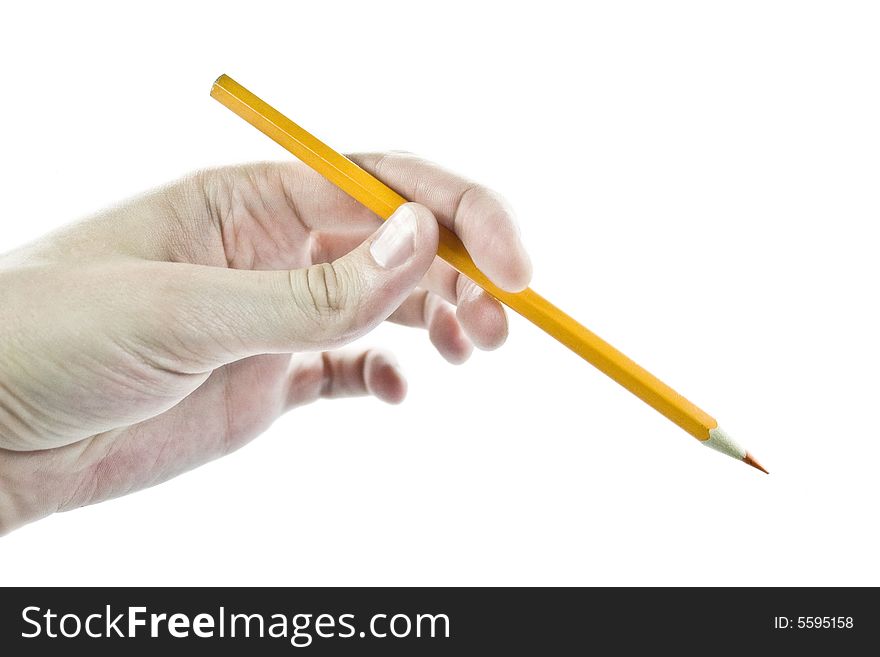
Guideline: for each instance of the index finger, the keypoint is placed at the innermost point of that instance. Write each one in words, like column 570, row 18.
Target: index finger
column 481, row 218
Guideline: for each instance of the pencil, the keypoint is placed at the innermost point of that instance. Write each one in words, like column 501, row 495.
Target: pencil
column 383, row 200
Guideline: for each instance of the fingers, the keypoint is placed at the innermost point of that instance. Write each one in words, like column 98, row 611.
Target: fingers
column 269, row 216
column 423, row 309
column 477, row 318
column 333, row 375
column 480, row 217
column 482, row 317
column 220, row 315
column 235, row 404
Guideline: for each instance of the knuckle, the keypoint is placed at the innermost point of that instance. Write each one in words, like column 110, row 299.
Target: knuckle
column 322, row 292
column 468, row 196
column 324, row 287
column 463, row 204
column 481, row 197
column 492, row 208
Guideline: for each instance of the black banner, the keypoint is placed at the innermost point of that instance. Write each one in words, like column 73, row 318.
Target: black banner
column 420, row 621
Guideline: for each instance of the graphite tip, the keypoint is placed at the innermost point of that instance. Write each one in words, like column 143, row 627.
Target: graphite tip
column 750, row 460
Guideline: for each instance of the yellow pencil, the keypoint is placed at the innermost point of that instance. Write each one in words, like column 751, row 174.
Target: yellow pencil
column 382, row 200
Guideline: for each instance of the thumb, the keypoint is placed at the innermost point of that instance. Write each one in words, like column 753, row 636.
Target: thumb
column 226, row 314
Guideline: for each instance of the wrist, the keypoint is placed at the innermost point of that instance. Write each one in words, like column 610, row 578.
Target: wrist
column 27, row 489
column 10, row 508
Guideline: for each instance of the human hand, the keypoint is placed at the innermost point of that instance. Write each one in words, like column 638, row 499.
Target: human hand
column 171, row 330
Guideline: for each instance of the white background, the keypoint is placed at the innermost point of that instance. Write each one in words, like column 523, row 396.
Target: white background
column 697, row 182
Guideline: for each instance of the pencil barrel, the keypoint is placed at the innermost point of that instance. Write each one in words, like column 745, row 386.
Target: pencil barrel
column 383, row 200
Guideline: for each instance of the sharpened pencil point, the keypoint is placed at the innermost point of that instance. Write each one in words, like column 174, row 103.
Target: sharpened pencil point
column 750, row 460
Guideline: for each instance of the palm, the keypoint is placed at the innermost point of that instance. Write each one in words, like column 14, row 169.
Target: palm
column 261, row 228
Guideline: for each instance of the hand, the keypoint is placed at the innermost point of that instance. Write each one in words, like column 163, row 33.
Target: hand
column 156, row 336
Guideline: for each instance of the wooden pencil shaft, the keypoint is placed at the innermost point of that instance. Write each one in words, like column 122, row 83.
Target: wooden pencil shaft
column 383, row 200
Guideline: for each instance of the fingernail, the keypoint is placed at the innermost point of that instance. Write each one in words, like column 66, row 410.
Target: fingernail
column 396, row 240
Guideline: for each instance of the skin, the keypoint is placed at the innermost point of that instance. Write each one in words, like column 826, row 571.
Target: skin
column 171, row 330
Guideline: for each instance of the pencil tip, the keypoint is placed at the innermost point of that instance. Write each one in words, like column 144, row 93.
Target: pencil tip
column 750, row 460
